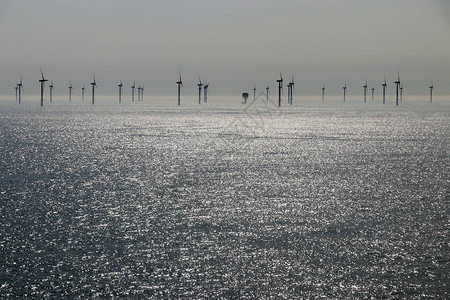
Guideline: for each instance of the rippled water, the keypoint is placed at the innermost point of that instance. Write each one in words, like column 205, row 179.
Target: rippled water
column 224, row 201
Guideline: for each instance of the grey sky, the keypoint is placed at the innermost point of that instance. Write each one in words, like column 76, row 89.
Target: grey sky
column 233, row 44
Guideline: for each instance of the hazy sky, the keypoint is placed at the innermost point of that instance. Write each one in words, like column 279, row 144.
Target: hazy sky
column 233, row 44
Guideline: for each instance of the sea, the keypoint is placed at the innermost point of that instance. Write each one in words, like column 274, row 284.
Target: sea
column 224, row 200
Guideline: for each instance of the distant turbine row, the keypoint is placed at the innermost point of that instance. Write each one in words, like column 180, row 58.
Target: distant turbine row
column 203, row 86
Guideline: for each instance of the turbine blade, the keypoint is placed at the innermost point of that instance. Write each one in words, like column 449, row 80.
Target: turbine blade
column 42, row 74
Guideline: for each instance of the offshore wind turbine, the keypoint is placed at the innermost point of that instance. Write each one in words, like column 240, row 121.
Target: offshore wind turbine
column 94, row 85
column 179, row 84
column 267, row 92
column 200, row 85
column 384, row 85
column 132, row 91
column 254, row 92
column 82, row 93
column 16, row 87
column 292, row 84
column 365, row 91
column 397, row 85
column 323, row 92
column 280, row 89
column 51, row 90
column 20, row 86
column 120, row 91
column 142, row 93
column 373, row 91
column 205, row 92
column 70, row 92
column 345, row 89
column 401, row 92
column 42, row 81
column 431, row 91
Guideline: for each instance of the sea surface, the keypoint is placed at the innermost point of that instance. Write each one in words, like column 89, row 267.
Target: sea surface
column 224, row 200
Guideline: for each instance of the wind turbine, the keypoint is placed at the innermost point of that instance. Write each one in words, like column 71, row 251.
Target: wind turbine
column 267, row 92
column 20, row 86
column 200, row 85
column 205, row 92
column 139, row 92
column 323, row 92
column 120, row 91
column 70, row 92
column 365, row 91
column 142, row 93
column 16, row 87
column 82, row 93
column 132, row 91
column 401, row 92
column 280, row 89
column 94, row 85
column 373, row 91
column 345, row 89
column 292, row 88
column 179, row 84
column 397, row 84
column 42, row 81
column 431, row 91
column 384, row 85
column 51, row 90
column 254, row 92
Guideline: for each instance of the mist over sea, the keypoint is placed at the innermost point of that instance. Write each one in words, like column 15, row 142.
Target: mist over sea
column 224, row 200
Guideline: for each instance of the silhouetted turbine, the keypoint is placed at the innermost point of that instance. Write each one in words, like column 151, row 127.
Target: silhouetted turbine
column 179, row 84
column 120, row 91
column 397, row 85
column 267, row 92
column 200, row 85
column 132, row 91
column 70, row 92
column 365, row 91
column 142, row 93
column 205, row 92
column 16, row 87
column 51, row 90
column 42, row 81
column 254, row 92
column 20, row 86
column 323, row 92
column 292, row 88
column 373, row 92
column 431, row 91
column 82, row 93
column 345, row 89
column 384, row 85
column 401, row 92
column 280, row 89
column 94, row 85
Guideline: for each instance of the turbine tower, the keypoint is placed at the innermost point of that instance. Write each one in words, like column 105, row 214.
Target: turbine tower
column 292, row 88
column 94, row 85
column 254, row 92
column 365, row 91
column 139, row 92
column 373, row 91
column 20, row 86
column 401, row 92
column 431, row 91
column 70, row 92
column 120, row 91
column 280, row 89
column 51, row 90
column 267, row 92
column 132, row 91
column 205, row 92
column 16, row 88
column 142, row 93
column 42, row 81
column 397, row 85
column 200, row 85
column 345, row 89
column 384, row 89
column 179, row 84
column 323, row 92
column 82, row 93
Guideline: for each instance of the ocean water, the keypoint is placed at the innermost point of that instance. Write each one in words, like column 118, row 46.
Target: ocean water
column 224, row 201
